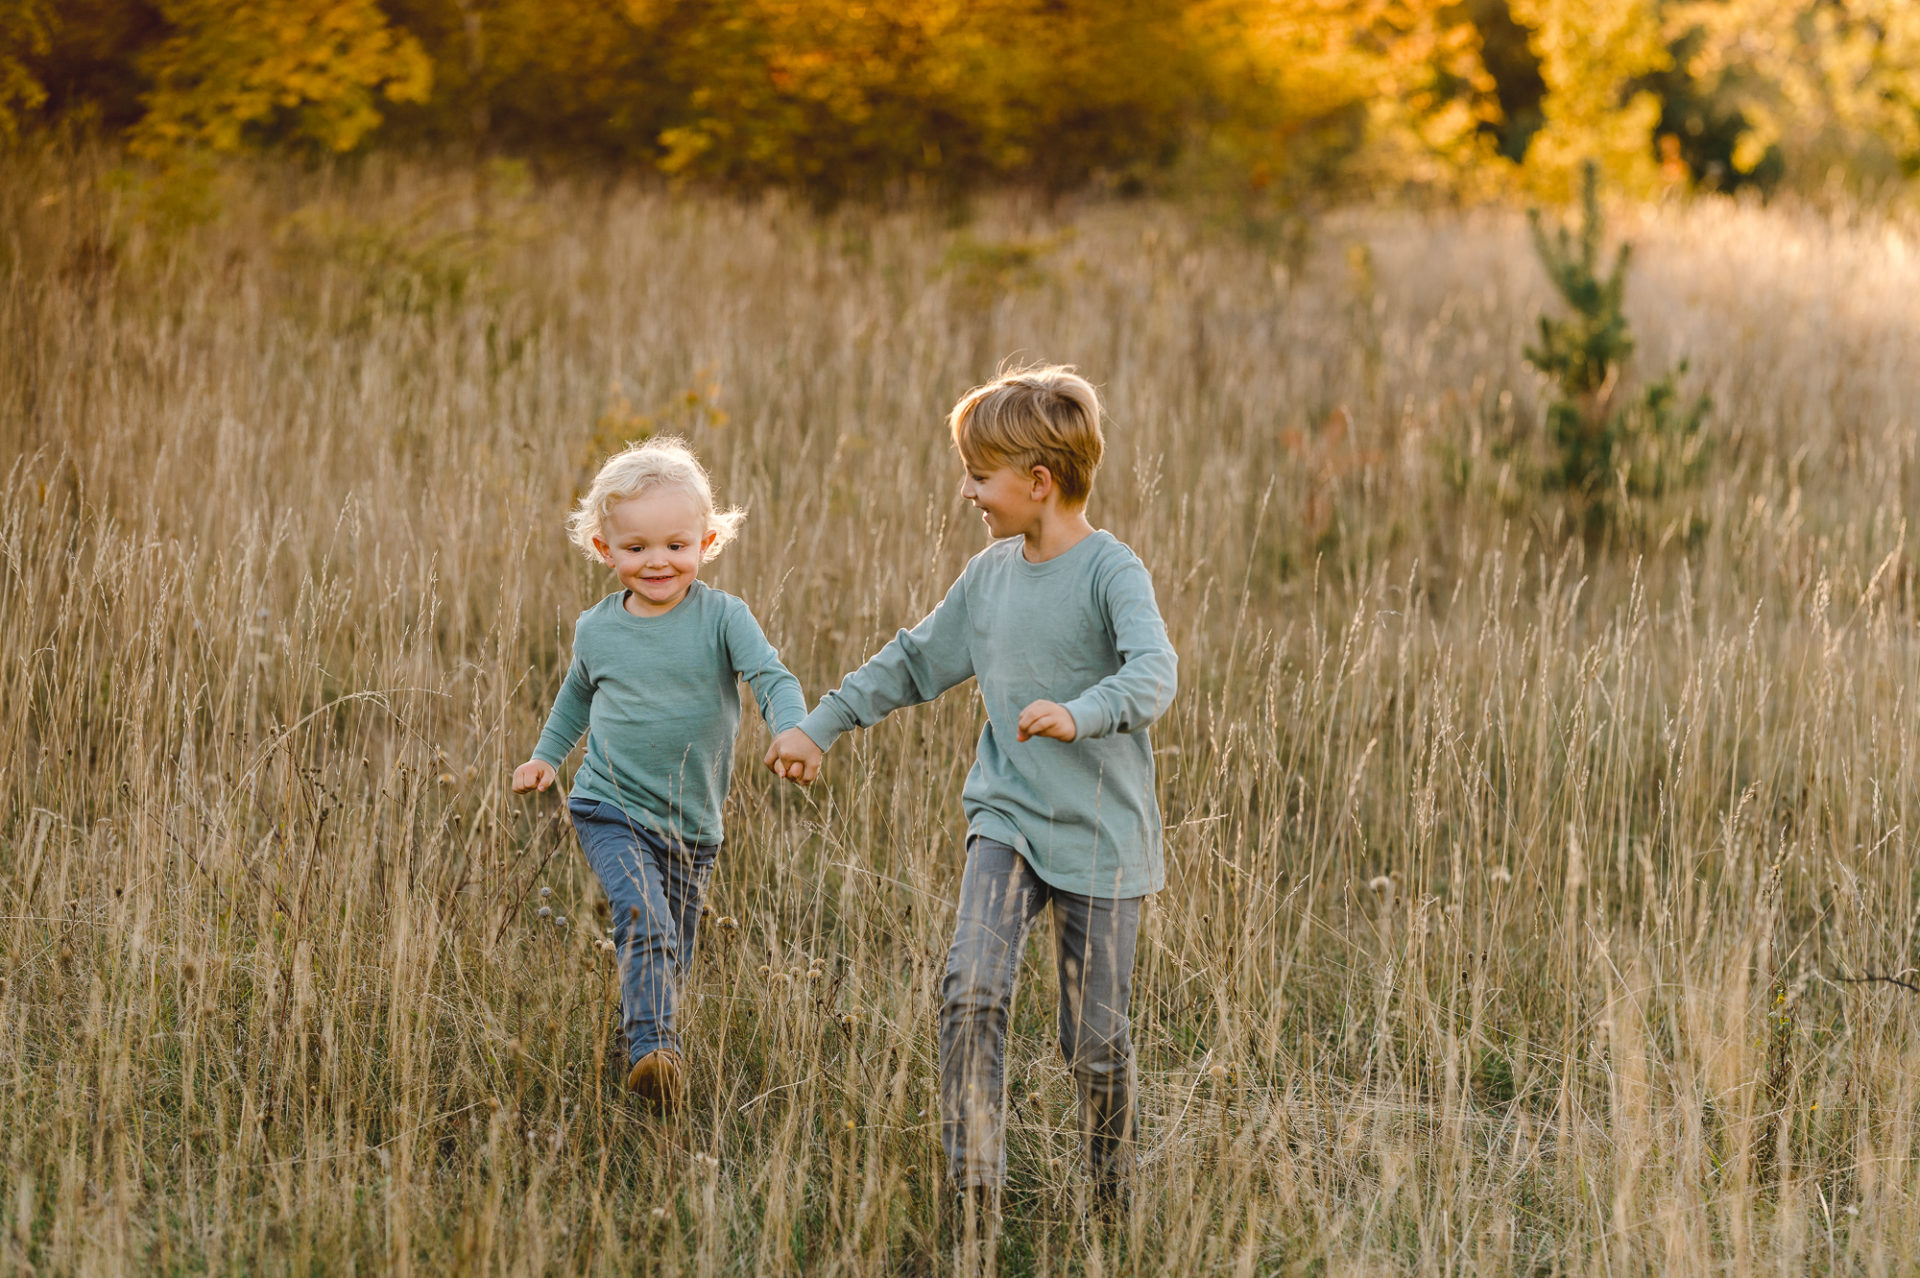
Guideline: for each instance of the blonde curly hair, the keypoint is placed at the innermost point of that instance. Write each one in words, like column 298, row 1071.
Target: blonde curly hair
column 662, row 462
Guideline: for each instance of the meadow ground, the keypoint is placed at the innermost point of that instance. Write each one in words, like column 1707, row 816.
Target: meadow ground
column 1516, row 878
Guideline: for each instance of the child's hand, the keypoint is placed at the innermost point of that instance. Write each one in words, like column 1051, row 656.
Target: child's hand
column 534, row 774
column 794, row 757
column 1047, row 719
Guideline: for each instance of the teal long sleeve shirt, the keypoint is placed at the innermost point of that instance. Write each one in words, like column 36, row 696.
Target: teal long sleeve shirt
column 658, row 699
column 1081, row 629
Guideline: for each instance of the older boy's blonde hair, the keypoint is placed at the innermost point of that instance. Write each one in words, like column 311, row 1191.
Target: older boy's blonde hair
column 1043, row 415
column 664, row 462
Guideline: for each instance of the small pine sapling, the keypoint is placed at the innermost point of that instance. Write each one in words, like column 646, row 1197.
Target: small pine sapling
column 1608, row 448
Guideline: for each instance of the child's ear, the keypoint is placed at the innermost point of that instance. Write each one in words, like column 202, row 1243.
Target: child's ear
column 706, row 542
column 1042, row 482
column 602, row 549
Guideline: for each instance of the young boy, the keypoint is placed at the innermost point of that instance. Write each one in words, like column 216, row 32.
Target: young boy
column 1057, row 621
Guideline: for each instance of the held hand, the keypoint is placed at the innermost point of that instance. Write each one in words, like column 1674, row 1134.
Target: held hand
column 1047, row 719
column 794, row 757
column 534, row 774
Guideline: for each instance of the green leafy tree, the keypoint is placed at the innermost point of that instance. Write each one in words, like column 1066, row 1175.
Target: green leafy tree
column 1608, row 446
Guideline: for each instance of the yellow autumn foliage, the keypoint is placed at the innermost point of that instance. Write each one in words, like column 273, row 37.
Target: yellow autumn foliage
column 24, row 28
column 838, row 97
column 1818, row 80
column 316, row 68
column 1591, row 52
column 1408, row 70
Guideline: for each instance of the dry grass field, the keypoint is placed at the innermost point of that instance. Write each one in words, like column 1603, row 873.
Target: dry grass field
column 1516, row 878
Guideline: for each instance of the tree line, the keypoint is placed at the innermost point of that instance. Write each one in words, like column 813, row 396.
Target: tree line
column 859, row 97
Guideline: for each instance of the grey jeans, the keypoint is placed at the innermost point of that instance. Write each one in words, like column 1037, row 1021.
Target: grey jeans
column 1000, row 896
column 655, row 887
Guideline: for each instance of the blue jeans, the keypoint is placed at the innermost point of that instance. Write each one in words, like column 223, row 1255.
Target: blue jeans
column 1093, row 938
column 655, row 887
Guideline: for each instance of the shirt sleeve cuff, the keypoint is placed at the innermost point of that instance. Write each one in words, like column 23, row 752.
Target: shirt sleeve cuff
column 1090, row 717
column 824, row 726
column 787, row 714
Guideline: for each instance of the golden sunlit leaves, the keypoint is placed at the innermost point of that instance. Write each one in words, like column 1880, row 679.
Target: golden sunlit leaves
column 316, row 68
column 1399, row 82
column 1591, row 52
column 1274, row 98
column 24, row 30
column 1816, row 80
column 839, row 96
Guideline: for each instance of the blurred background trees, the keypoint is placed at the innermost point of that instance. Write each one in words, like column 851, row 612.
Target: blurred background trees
column 837, row 98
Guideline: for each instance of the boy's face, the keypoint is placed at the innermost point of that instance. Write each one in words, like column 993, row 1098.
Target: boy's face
column 654, row 543
column 1010, row 501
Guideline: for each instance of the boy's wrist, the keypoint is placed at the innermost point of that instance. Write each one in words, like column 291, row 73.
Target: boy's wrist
column 822, row 727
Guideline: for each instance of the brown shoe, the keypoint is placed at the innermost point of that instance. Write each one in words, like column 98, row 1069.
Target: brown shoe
column 660, row 1078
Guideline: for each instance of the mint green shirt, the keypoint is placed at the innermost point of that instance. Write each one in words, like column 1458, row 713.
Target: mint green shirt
column 658, row 699
column 1081, row 629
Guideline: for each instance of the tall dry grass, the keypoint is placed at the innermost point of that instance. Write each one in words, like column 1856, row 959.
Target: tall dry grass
column 1512, row 879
